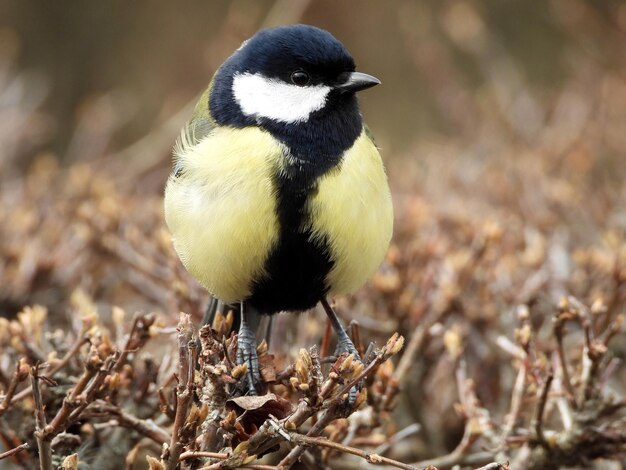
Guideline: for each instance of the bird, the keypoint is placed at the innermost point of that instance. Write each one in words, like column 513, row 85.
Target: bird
column 278, row 197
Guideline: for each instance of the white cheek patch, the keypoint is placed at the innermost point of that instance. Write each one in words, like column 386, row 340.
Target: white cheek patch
column 273, row 99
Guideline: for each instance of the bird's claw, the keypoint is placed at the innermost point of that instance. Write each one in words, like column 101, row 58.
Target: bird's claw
column 247, row 354
column 349, row 348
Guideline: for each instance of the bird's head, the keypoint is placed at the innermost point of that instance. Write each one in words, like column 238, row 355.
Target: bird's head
column 285, row 76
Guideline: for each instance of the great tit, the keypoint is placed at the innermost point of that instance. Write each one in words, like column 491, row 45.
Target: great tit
column 279, row 196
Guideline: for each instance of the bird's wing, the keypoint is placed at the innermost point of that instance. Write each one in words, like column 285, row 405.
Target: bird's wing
column 197, row 128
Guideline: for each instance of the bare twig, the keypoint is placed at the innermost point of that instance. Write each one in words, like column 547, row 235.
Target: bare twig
column 336, row 406
column 45, row 451
column 456, row 456
column 559, row 331
column 184, row 390
column 495, row 466
column 20, row 374
column 516, row 401
column 145, row 427
column 373, row 458
column 81, row 339
column 393, row 346
column 94, row 387
column 417, row 340
column 164, row 406
column 81, row 395
column 331, row 414
column 537, row 424
column 137, row 337
column 410, row 430
column 339, row 396
column 475, row 425
column 197, row 454
column 14, row 451
column 325, row 346
column 10, row 439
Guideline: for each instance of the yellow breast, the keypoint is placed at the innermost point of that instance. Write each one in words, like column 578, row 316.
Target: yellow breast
column 221, row 209
column 352, row 210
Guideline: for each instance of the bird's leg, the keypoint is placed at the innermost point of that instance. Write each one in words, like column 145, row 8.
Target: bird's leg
column 344, row 343
column 210, row 312
column 246, row 346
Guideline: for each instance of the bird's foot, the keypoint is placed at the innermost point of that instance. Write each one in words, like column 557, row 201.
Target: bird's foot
column 345, row 345
column 247, row 354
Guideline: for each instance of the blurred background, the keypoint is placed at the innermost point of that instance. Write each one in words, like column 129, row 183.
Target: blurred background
column 502, row 124
column 480, row 102
column 94, row 78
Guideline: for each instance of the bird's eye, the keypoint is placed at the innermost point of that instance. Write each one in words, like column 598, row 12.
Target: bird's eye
column 300, row 78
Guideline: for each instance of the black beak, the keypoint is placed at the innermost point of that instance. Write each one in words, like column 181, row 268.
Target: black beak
column 356, row 81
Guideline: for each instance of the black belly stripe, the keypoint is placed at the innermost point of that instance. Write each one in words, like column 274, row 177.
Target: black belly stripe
column 297, row 267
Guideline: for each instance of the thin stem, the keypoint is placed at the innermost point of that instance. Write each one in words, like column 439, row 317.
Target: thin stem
column 364, row 373
column 410, row 430
column 325, row 346
column 539, row 411
column 43, row 444
column 197, row 454
column 516, row 401
column 308, row 441
column 457, row 455
column 15, row 450
column 145, row 427
column 80, row 340
column 20, row 374
column 184, row 390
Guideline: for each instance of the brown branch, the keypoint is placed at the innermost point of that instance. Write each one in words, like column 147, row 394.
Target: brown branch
column 308, row 441
column 474, row 426
column 43, row 444
column 20, row 374
column 89, row 395
column 71, row 401
column 495, row 466
column 408, row 431
column 9, row 439
column 416, row 342
column 338, row 398
column 393, row 346
column 220, row 466
column 325, row 346
column 537, row 423
column 559, row 332
column 336, row 405
column 139, row 334
column 79, row 397
column 164, row 406
column 184, row 390
column 14, row 451
column 457, row 455
column 334, row 412
column 81, row 339
column 260, row 467
column 197, row 454
column 145, row 427
column 516, row 402
column 266, row 437
column 355, row 334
